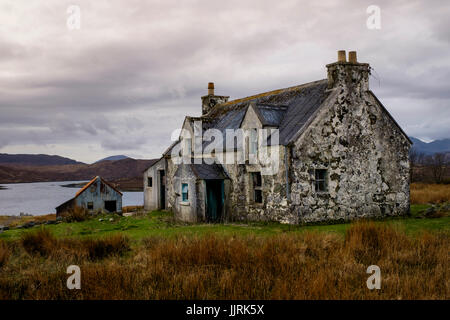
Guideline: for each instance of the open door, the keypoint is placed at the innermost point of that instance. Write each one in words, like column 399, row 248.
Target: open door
column 162, row 189
column 214, row 200
column 111, row 206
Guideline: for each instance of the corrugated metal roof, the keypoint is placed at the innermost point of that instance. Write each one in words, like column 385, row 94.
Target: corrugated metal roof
column 91, row 182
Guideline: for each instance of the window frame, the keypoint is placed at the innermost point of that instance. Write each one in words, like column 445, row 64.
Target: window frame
column 256, row 188
column 320, row 180
column 150, row 182
column 183, row 198
column 188, row 146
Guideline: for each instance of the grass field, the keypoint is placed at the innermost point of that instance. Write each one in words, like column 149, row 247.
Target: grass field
column 151, row 256
column 229, row 262
column 159, row 223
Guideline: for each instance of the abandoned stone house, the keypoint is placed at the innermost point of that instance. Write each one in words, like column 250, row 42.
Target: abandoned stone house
column 95, row 196
column 340, row 155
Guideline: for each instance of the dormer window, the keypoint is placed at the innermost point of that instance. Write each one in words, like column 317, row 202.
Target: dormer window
column 253, row 142
column 187, row 147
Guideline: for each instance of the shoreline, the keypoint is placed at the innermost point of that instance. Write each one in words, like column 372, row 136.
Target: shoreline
column 124, row 186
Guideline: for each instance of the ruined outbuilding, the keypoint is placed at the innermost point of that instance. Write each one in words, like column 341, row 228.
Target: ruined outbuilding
column 340, row 155
column 96, row 196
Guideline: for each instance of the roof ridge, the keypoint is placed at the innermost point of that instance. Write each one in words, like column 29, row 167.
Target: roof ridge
column 268, row 93
column 87, row 185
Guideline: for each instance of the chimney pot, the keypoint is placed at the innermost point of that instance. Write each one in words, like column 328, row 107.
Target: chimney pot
column 341, row 56
column 211, row 88
column 352, row 57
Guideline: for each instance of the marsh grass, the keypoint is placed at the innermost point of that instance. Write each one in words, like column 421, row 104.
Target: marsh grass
column 4, row 253
column 422, row 193
column 309, row 265
column 76, row 214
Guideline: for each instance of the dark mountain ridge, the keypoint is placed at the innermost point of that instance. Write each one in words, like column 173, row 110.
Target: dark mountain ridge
column 35, row 159
column 436, row 146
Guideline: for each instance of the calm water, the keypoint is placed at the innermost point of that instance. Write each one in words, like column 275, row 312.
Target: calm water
column 42, row 197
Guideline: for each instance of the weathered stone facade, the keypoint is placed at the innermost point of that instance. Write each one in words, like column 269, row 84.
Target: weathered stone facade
column 340, row 156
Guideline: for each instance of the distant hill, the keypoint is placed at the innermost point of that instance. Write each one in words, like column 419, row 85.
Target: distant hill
column 35, row 159
column 125, row 172
column 437, row 146
column 113, row 158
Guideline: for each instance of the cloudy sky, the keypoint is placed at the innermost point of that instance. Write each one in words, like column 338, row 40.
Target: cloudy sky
column 123, row 81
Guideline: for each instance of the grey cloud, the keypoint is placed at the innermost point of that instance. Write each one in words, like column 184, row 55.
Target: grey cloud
column 126, row 80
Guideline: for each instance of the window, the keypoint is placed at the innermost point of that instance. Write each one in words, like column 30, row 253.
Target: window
column 320, row 180
column 253, row 142
column 149, row 182
column 90, row 205
column 187, row 146
column 184, row 192
column 257, row 187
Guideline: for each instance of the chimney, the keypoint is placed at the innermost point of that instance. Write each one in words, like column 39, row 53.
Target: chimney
column 352, row 57
column 211, row 100
column 210, row 88
column 341, row 56
column 352, row 75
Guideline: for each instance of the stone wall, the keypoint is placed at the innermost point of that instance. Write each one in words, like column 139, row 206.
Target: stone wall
column 364, row 152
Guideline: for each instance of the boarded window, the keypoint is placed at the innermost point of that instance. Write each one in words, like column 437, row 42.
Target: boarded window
column 90, row 205
column 320, row 180
column 149, row 182
column 184, row 192
column 257, row 187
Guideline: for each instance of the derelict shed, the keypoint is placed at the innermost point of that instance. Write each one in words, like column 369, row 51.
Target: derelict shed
column 96, row 196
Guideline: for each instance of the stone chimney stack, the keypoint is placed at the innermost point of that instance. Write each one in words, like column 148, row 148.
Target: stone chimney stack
column 351, row 75
column 211, row 100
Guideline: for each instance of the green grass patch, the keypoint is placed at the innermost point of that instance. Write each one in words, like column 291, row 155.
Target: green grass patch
column 159, row 223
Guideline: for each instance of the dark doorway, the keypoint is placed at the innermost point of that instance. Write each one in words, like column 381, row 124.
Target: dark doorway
column 214, row 200
column 111, row 206
column 162, row 189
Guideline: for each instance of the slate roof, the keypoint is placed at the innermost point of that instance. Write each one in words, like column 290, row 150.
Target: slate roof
column 205, row 171
column 271, row 115
column 209, row 171
column 152, row 163
column 288, row 109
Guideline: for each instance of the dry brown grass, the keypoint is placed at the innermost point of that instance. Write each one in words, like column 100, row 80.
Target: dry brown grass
column 105, row 247
column 40, row 242
column 76, row 214
column 132, row 209
column 422, row 193
column 286, row 266
column 13, row 221
column 4, row 253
